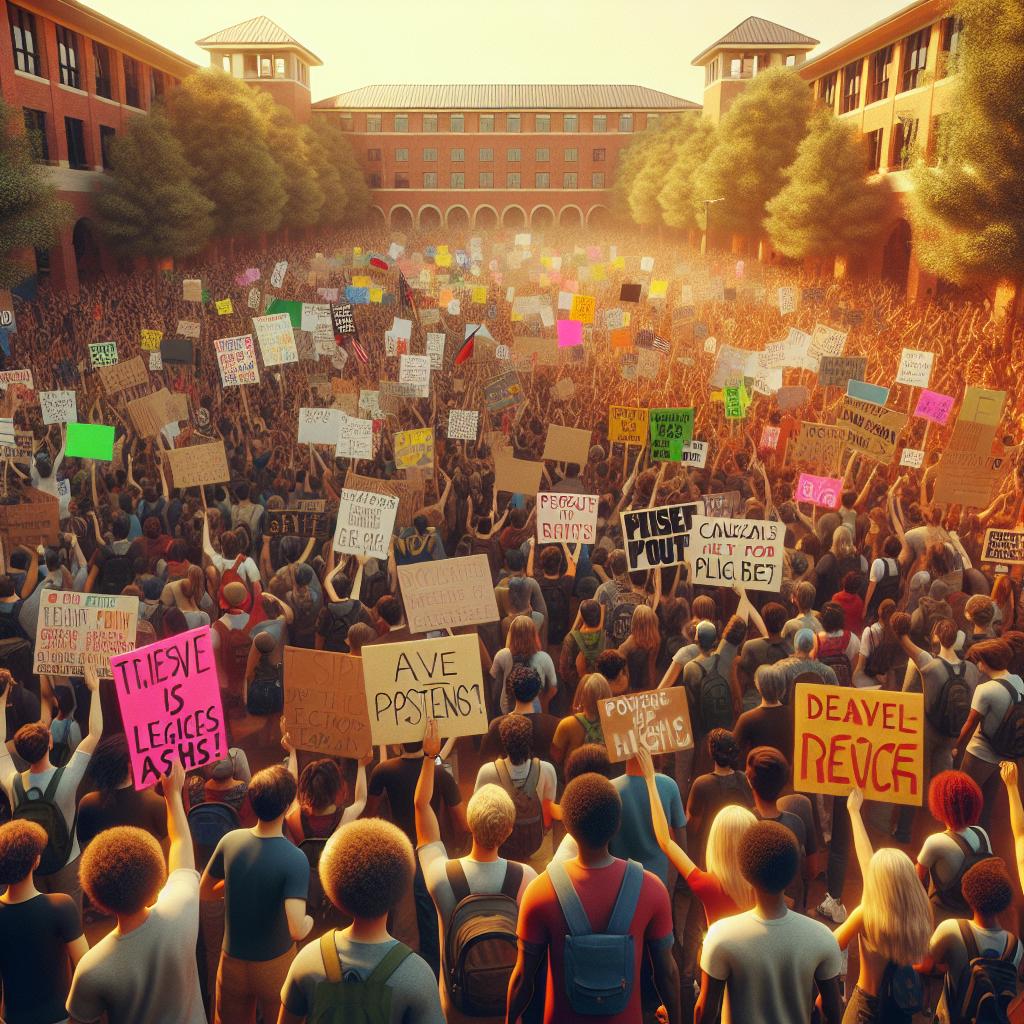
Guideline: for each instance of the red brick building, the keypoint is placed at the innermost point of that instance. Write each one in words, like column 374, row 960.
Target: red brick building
column 481, row 155
column 76, row 77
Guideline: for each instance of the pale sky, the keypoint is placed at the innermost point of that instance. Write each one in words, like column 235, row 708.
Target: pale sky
column 642, row 42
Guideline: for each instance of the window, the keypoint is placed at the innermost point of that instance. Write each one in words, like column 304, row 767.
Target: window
column 373, row 180
column 486, row 156
column 458, row 179
column 569, row 179
column 27, row 51
column 458, row 124
column 600, row 123
column 512, row 180
column 74, row 131
column 106, row 138
column 42, row 264
column 542, row 180
column 67, row 57
column 345, row 122
column 791, row 59
column 625, row 122
column 430, row 179
column 874, row 144
column 430, row 154
column 904, row 140
column 542, row 123
column 827, row 90
column 736, row 67
column 35, row 129
column 101, row 58
column 225, row 62
column 513, row 122
column 487, row 122
column 711, row 72
column 851, row 85
column 401, row 122
column 570, row 122
column 487, row 179
column 373, row 122
column 156, row 84
column 458, row 156
column 952, row 29
column 251, row 65
column 132, row 75
column 430, row 122
column 280, row 67
column 303, row 72
column 878, row 85
column 373, row 155
column 401, row 179
column 542, row 154
column 598, row 155
column 571, row 156
column 514, row 156
column 401, row 156
column 597, row 179
column 915, row 57
column 266, row 67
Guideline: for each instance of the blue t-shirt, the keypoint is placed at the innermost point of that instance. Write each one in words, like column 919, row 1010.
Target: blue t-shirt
column 635, row 838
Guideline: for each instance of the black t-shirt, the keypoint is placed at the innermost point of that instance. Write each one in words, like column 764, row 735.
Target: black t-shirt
column 98, row 811
column 34, row 963
column 22, row 709
column 709, row 794
column 397, row 778
column 765, row 727
column 544, row 727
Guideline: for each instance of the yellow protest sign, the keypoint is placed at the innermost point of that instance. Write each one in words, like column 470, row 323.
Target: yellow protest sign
column 443, row 259
column 224, row 307
column 479, row 296
column 627, row 424
column 582, row 308
column 150, row 340
column 657, row 290
column 361, row 281
column 377, row 295
column 414, row 448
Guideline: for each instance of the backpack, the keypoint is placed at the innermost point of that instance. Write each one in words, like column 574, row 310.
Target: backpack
column 528, row 830
column 1008, row 741
column 558, row 610
column 621, row 617
column 714, row 698
column 117, row 573
column 832, row 652
column 341, row 1000
column 887, row 586
column 208, row 823
column 341, row 617
column 987, row 985
column 592, row 731
column 232, row 576
column 306, row 613
column 590, row 646
column 374, row 587
column 41, row 808
column 901, row 994
column 60, row 752
column 599, row 968
column 415, row 548
column 480, row 942
column 953, row 703
column 265, row 693
column 235, row 645
column 950, row 896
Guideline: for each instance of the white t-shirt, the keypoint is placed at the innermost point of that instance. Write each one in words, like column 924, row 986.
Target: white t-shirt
column 769, row 966
column 941, row 853
column 685, row 655
column 504, row 662
column 547, row 784
column 947, row 946
column 992, row 701
column 882, row 567
column 246, row 570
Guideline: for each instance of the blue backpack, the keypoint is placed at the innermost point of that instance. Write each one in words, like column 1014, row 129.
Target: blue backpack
column 598, row 968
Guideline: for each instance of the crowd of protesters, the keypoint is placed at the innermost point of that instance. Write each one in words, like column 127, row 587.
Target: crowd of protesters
column 519, row 875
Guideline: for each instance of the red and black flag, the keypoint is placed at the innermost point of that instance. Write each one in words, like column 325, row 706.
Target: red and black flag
column 343, row 322
column 466, row 351
column 406, row 301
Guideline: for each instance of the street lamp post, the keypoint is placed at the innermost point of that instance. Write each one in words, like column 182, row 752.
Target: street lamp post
column 708, row 203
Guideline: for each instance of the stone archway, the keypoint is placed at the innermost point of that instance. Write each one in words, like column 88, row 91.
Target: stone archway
column 401, row 218
column 542, row 217
column 87, row 250
column 598, row 217
column 896, row 254
column 430, row 217
column 570, row 217
column 457, row 217
column 485, row 217
column 513, row 217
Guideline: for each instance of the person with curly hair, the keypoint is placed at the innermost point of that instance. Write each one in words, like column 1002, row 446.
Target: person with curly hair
column 365, row 869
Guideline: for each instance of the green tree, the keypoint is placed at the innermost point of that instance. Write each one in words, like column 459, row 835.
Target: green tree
column 755, row 142
column 217, row 121
column 31, row 215
column 328, row 176
column 676, row 198
column 827, row 206
column 646, row 184
column 337, row 151
column 629, row 164
column 149, row 205
column 967, row 210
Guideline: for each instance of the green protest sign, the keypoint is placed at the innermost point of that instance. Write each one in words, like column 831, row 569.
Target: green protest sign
column 671, row 430
column 736, row 402
column 90, row 441
column 293, row 309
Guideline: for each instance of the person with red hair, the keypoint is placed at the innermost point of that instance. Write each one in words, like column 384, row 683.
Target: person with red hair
column 956, row 801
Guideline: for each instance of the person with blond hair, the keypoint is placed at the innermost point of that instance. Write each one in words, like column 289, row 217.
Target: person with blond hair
column 523, row 647
column 585, row 725
column 833, row 566
column 640, row 649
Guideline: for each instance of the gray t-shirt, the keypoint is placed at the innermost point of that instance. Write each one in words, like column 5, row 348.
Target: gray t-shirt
column 930, row 679
column 793, row 667
column 992, row 701
column 149, row 974
column 947, row 947
column 414, row 996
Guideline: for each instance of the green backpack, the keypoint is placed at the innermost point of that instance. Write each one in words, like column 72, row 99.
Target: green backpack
column 339, row 1000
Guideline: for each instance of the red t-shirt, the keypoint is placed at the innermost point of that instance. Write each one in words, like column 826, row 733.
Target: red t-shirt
column 707, row 888
column 541, row 922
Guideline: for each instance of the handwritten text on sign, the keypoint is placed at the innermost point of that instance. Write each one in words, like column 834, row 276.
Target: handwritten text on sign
column 872, row 739
column 657, row 537
column 407, row 683
column 571, row 518
column 448, row 593
column 823, row 491
column 1005, row 546
column 170, row 705
column 365, row 523
column 744, row 551
column 75, row 630
column 660, row 719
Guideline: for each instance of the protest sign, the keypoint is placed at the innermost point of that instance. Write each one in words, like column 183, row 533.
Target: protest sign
column 838, row 371
column 407, row 683
column 463, row 424
column 151, row 413
column 819, row 445
column 658, row 719
column 435, row 349
column 570, row 333
column 75, row 631
column 170, row 705
column 517, row 476
column 177, row 351
column 415, row 370
column 409, row 493
column 630, row 293
column 582, row 308
column 671, row 430
column 355, row 437
column 325, row 703
column 149, row 340
column 277, row 276
column 414, row 448
column 58, row 406
column 200, row 464
column 22, row 377
column 872, row 430
column 34, row 520
column 192, row 290
column 564, row 389
column 694, row 453
column 276, row 339
column 567, row 444
column 915, row 368
column 90, row 441
column 722, row 503
column 913, row 457
column 869, row 739
column 1006, row 546
column 966, row 478
column 934, row 407
column 186, row 329
column 749, row 552
column 102, row 353
column 568, row 518
column 787, row 300
column 823, row 491
column 873, row 393
column 319, row 426
column 503, row 391
column 296, row 522
column 792, row 397
column 657, row 537
column 366, row 522
column 769, row 438
column 627, row 424
column 982, row 405
column 543, row 350
column 448, row 593
column 825, row 341
column 236, row 358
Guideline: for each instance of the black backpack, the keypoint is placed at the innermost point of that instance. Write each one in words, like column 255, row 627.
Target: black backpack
column 265, row 693
column 953, row 703
column 1008, row 741
column 117, row 573
column 950, row 896
column 621, row 617
column 341, row 617
column 40, row 807
column 714, row 698
column 901, row 993
column 60, row 752
column 558, row 610
column 987, row 985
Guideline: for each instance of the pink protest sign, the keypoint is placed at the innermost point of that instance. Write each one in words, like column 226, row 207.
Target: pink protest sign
column 170, row 704
column 933, row 406
column 823, row 491
column 570, row 333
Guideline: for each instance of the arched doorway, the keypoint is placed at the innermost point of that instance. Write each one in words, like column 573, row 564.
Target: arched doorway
column 570, row 217
column 378, row 219
column 430, row 217
column 513, row 217
column 457, row 217
column 896, row 255
column 542, row 217
column 87, row 250
column 485, row 217
column 401, row 218
column 598, row 217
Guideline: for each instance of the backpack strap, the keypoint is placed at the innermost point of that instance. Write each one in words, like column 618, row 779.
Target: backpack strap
column 533, row 778
column 513, row 879
column 50, row 793
column 394, row 959
column 504, row 775
column 1015, row 695
column 965, row 847
column 984, row 843
column 331, row 956
column 969, row 941
column 457, row 880
column 625, row 903
column 19, row 790
column 572, row 909
column 1011, row 947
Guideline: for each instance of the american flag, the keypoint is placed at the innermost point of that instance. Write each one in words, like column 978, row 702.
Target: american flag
column 357, row 349
column 405, row 297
